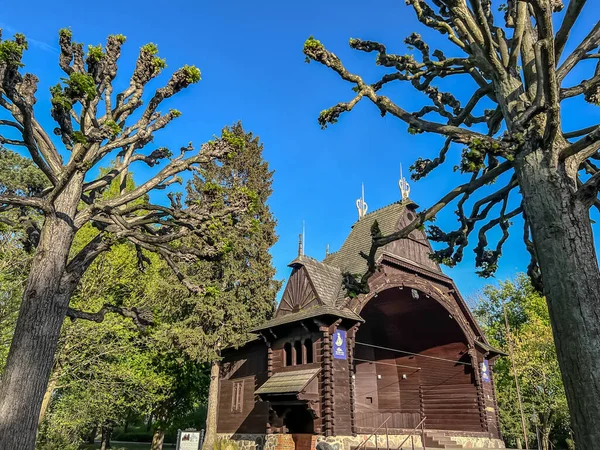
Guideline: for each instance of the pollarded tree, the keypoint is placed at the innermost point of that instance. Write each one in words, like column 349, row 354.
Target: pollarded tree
column 518, row 67
column 95, row 124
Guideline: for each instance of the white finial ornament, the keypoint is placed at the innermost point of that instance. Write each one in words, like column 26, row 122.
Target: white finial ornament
column 361, row 205
column 404, row 186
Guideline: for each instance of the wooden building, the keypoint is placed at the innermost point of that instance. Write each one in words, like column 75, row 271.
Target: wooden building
column 331, row 365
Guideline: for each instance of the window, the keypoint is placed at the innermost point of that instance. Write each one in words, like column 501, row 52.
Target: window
column 237, row 397
column 287, row 354
column 308, row 350
column 298, row 350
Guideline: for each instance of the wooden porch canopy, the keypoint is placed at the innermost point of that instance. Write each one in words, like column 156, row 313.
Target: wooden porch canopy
column 287, row 383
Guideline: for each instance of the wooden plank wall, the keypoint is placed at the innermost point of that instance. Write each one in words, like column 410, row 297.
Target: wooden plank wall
column 342, row 405
column 441, row 390
column 249, row 365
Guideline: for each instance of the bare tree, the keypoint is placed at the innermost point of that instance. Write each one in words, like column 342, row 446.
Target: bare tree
column 519, row 69
column 95, row 125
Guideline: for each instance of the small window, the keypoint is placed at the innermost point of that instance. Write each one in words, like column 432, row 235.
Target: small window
column 287, row 355
column 308, row 350
column 237, row 398
column 298, row 349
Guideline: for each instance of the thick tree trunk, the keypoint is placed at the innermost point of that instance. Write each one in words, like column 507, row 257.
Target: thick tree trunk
column 42, row 312
column 92, row 435
column 158, row 439
column 210, row 434
column 106, row 434
column 564, row 246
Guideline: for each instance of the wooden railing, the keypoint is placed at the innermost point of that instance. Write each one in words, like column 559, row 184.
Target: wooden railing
column 412, row 432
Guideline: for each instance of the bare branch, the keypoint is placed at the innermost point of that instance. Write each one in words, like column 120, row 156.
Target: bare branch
column 585, row 147
column 588, row 192
column 577, row 133
column 315, row 50
column 378, row 240
column 591, row 41
column 141, row 318
column 31, row 202
column 573, row 11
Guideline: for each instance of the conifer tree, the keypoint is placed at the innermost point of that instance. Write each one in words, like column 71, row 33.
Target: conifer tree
column 238, row 286
column 243, row 290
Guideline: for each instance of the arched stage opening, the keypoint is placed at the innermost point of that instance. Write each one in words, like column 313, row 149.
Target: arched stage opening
column 411, row 361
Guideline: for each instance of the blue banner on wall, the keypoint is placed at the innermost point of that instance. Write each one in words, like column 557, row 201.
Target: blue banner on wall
column 485, row 371
column 339, row 344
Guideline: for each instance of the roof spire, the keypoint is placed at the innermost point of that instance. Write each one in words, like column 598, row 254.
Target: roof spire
column 403, row 185
column 361, row 205
column 301, row 239
column 327, row 250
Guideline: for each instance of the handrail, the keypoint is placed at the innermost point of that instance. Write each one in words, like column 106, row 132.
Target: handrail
column 373, row 433
column 411, row 432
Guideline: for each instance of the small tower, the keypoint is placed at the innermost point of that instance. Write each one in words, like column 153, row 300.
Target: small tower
column 361, row 205
column 404, row 186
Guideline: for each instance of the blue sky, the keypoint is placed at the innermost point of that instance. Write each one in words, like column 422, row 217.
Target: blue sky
column 253, row 70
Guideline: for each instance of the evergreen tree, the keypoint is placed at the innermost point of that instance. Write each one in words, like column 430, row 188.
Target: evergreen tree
column 19, row 232
column 241, row 289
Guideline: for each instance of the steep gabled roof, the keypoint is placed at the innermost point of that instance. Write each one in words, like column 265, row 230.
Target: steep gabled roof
column 348, row 258
column 326, row 279
column 389, row 218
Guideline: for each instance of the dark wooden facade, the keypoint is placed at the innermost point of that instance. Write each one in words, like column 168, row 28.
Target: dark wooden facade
column 413, row 350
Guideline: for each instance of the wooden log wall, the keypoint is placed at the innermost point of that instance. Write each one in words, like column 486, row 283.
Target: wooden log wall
column 248, row 367
column 407, row 388
column 327, row 382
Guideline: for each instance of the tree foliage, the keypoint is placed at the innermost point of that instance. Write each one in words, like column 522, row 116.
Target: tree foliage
column 542, row 390
column 95, row 123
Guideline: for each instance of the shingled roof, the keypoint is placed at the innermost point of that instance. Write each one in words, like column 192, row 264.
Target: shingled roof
column 348, row 258
column 326, row 279
column 288, row 382
column 316, row 288
column 308, row 313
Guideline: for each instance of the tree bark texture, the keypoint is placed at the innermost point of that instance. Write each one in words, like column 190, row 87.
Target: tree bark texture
column 158, row 439
column 43, row 309
column 210, row 434
column 564, row 245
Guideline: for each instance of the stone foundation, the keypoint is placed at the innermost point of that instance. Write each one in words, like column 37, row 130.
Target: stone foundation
column 393, row 441
column 287, row 442
column 477, row 442
column 248, row 441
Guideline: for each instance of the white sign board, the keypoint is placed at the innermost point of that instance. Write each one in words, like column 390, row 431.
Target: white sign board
column 189, row 440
